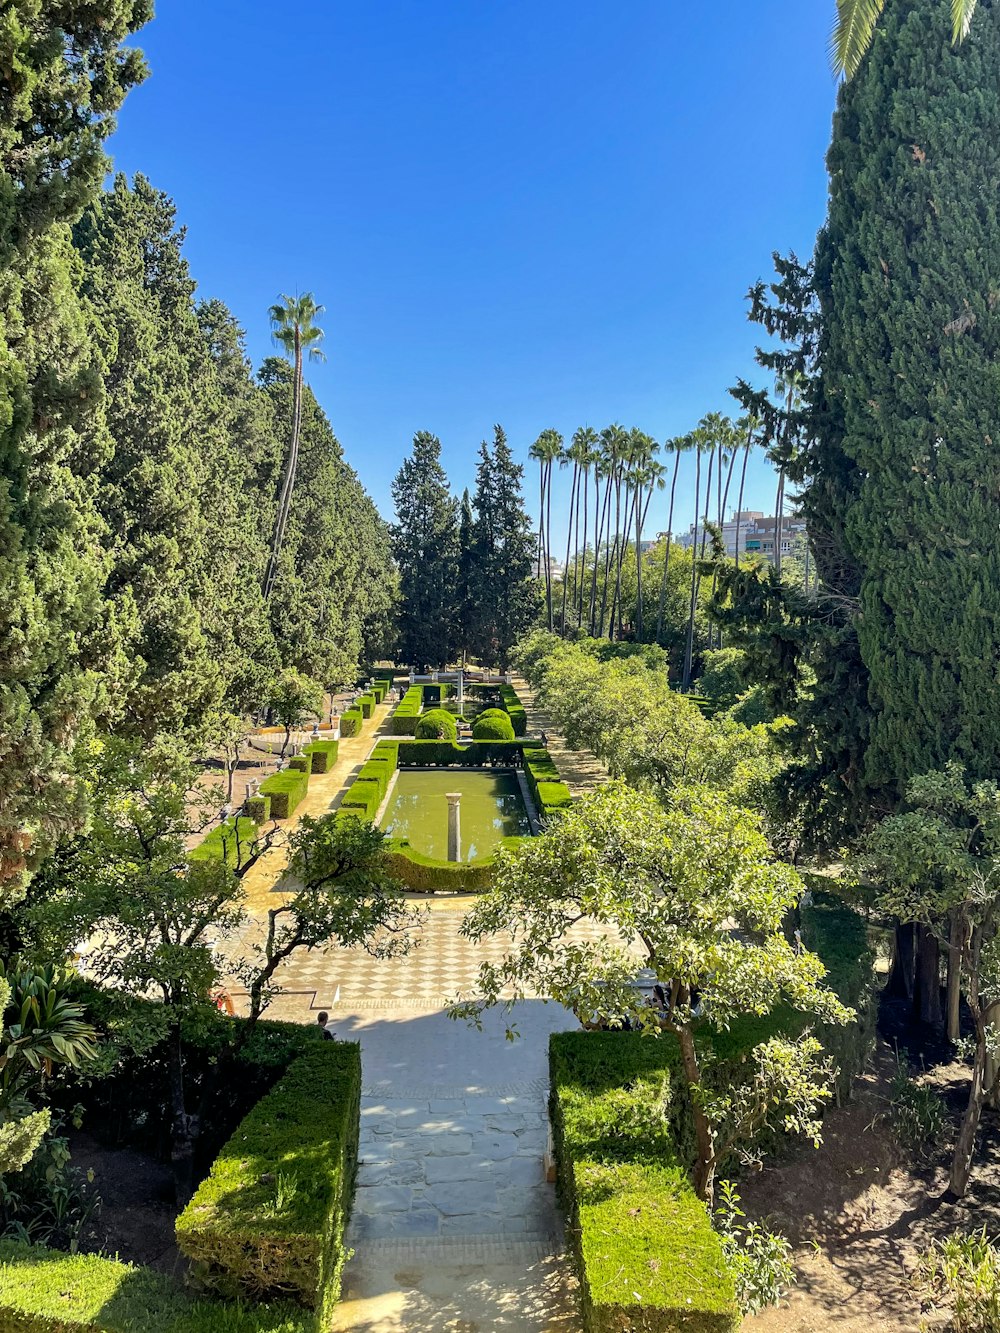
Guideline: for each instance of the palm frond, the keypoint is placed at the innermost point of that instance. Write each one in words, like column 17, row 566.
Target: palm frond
column 852, row 33
column 961, row 18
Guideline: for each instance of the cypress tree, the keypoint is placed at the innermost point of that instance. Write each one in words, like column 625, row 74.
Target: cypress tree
column 425, row 545
column 906, row 465
column 63, row 75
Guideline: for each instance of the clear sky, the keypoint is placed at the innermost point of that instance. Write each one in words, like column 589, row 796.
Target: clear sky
column 541, row 214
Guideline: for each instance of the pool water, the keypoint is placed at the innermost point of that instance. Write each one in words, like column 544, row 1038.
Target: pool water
column 492, row 809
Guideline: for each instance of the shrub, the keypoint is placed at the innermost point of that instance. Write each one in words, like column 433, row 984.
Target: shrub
column 759, row 1259
column 233, row 842
column 323, row 754
column 422, row 874
column 366, row 703
column 362, row 799
column 436, row 724
column 44, row 1291
column 407, row 712
column 445, row 754
column 258, row 808
column 961, row 1274
column 379, row 690
column 515, row 709
column 300, row 763
column 350, row 722
column 269, row 1220
column 495, row 728
column 378, row 772
column 286, row 789
column 916, row 1115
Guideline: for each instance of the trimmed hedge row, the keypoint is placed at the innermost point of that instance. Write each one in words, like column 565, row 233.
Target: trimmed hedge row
column 407, row 712
column 515, row 709
column 625, row 1144
column 46, row 1291
column 366, row 703
column 233, row 842
column 286, row 789
column 492, row 727
column 351, row 721
column 258, row 808
column 323, row 755
column 268, row 1222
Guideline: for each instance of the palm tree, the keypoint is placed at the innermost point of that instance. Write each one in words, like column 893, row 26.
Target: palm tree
column 585, row 442
column 546, row 449
column 613, row 442
column 855, row 27
column 600, row 474
column 294, row 330
column 649, row 479
column 699, row 442
column 579, row 454
column 677, row 446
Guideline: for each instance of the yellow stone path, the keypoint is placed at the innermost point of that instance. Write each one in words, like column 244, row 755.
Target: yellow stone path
column 262, row 881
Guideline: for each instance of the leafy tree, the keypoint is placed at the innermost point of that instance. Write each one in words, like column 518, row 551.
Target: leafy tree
column 904, row 449
column 425, row 545
column 501, row 590
column 295, row 331
column 856, row 23
column 937, row 863
column 293, row 699
column 692, row 893
column 65, row 75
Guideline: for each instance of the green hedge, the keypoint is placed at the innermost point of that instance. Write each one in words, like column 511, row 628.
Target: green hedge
column 495, row 727
column 351, row 722
column 646, row 1252
column 234, row 842
column 446, row 754
column 515, row 709
column 549, row 794
column 323, row 754
column 422, row 874
column 258, row 808
column 407, row 712
column 366, row 704
column 436, row 724
column 362, row 798
column 286, row 789
column 46, row 1291
column 269, row 1220
column 300, row 763
column 377, row 771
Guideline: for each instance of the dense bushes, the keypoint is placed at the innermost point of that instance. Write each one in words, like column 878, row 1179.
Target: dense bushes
column 351, row 721
column 515, row 709
column 446, row 754
column 407, row 713
column 323, row 754
column 234, row 842
column 44, row 1291
column 492, row 726
column 436, row 724
column 286, row 789
column 269, row 1220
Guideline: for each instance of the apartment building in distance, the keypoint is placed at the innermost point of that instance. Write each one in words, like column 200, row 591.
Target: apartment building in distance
column 756, row 533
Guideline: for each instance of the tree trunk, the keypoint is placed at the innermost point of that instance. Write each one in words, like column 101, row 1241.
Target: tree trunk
column 704, row 1170
column 954, row 989
column 902, row 974
column 184, row 1129
column 689, row 648
column 965, row 1147
column 666, row 553
column 739, row 502
column 927, row 994
column 569, row 542
column 583, row 560
column 779, row 505
column 288, row 484
column 598, row 529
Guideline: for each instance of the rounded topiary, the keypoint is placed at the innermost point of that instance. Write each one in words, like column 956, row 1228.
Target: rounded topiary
column 436, row 725
column 496, row 728
column 491, row 712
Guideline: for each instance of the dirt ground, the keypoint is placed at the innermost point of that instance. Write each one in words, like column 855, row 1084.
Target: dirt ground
column 136, row 1220
column 859, row 1214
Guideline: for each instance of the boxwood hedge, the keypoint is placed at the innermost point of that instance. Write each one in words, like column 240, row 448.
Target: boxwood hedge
column 351, row 722
column 323, row 754
column 268, row 1221
column 406, row 715
column 286, row 789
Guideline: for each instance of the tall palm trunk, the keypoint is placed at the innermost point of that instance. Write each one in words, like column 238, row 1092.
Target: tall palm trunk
column 689, row 647
column 708, row 499
column 617, row 552
column 598, row 533
column 548, row 538
column 583, row 558
column 640, row 522
column 288, row 482
column 624, row 546
column 613, row 481
column 666, row 553
column 723, row 501
column 739, row 502
column 569, row 542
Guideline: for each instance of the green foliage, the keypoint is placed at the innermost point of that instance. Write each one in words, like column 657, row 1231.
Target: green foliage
column 515, row 709
column 294, row 698
column 960, row 1277
column 758, row 1258
column 269, row 1219
column 423, row 874
column 436, row 724
column 425, row 546
column 407, row 712
column 323, row 754
column 48, row 1202
column 444, row 754
column 723, row 677
column 258, row 808
column 286, row 790
column 495, row 728
column 351, row 722
column 234, row 842
column 45, row 1291
column 646, row 1252
column 917, row 1115
column 366, row 702
column 300, row 763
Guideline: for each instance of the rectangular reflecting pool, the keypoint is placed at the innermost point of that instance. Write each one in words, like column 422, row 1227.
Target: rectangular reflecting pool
column 491, row 809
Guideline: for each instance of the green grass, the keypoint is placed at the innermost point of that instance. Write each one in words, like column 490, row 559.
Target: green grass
column 234, row 842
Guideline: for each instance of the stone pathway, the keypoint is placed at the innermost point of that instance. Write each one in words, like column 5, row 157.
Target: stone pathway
column 579, row 769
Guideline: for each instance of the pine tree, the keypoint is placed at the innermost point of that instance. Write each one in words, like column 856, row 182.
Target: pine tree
column 908, row 274
column 64, row 75
column 502, row 591
column 425, row 545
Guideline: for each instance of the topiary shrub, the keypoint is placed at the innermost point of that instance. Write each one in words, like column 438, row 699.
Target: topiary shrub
column 350, row 722
column 258, row 808
column 286, row 789
column 300, row 763
column 492, row 727
column 436, row 725
column 323, row 755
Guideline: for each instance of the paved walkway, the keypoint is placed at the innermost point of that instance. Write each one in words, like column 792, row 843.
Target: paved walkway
column 579, row 769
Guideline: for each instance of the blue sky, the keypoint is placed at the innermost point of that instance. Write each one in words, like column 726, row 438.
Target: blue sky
column 542, row 214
